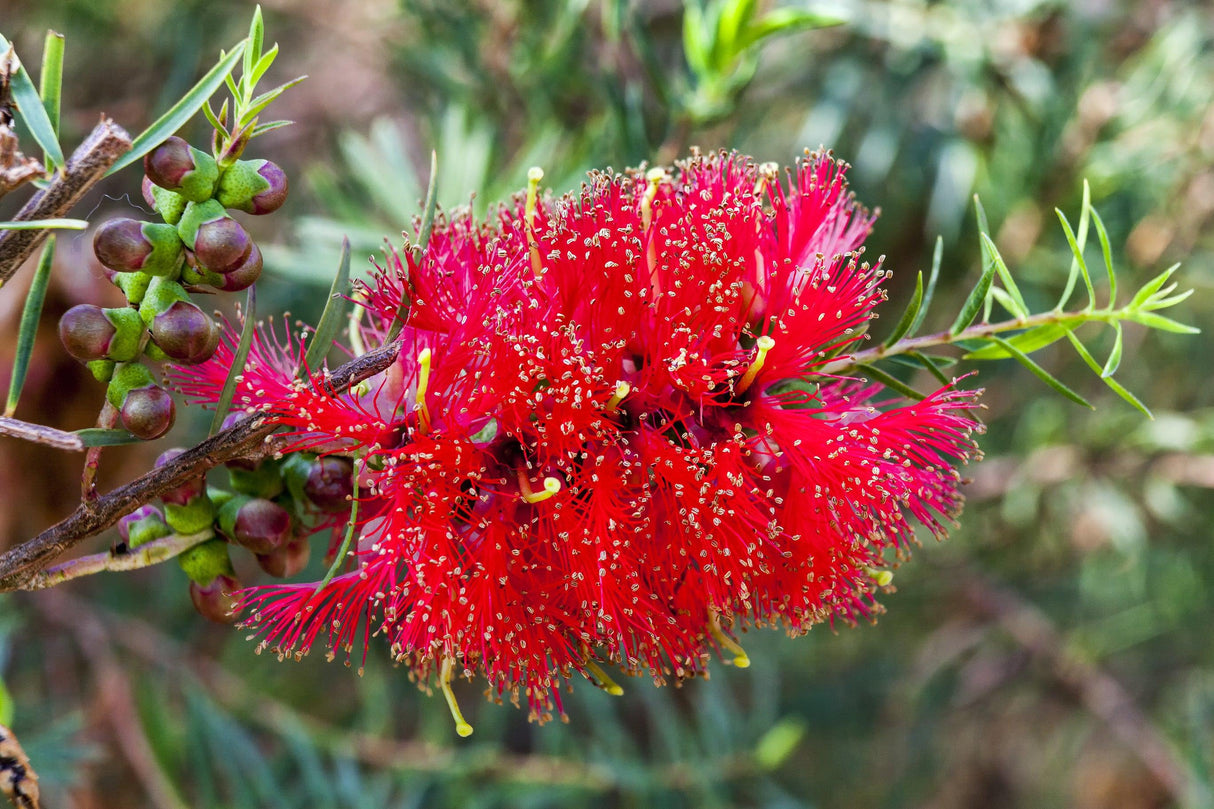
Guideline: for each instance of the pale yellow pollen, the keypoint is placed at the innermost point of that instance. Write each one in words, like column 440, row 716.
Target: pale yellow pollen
column 461, row 726
column 883, row 578
column 622, row 389
column 763, row 345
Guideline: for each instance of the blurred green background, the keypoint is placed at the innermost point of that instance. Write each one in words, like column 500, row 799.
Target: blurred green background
column 1056, row 651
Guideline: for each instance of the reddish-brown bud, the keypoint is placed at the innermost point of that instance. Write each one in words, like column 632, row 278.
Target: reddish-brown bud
column 147, row 412
column 185, row 333
column 287, row 560
column 330, row 483
column 216, row 601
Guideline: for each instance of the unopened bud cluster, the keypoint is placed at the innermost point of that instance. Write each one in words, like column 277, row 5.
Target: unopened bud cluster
column 198, row 247
column 270, row 508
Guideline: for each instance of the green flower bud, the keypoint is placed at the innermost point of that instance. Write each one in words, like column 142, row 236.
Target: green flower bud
column 191, row 516
column 169, row 204
column 155, row 353
column 216, row 601
column 143, row 525
column 127, row 245
column 133, row 284
column 258, row 524
column 178, row 166
column 148, row 412
column 102, row 370
column 253, row 186
column 126, row 377
column 202, row 563
column 222, row 245
column 195, row 215
column 262, row 480
column 162, row 293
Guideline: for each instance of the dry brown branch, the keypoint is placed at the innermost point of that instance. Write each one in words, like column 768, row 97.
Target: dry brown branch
column 146, row 555
column 39, row 434
column 246, row 438
column 87, row 165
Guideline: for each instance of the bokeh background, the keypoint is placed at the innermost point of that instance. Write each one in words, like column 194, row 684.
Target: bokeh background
column 1056, row 651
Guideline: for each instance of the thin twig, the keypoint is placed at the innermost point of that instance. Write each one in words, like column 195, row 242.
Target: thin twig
column 146, row 555
column 39, row 434
column 246, row 438
column 107, row 418
column 87, row 165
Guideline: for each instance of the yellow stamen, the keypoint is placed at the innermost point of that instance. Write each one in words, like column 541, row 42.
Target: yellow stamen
column 764, row 345
column 622, row 389
column 461, row 726
column 655, row 176
column 740, row 659
column 881, row 577
column 533, row 185
column 604, row 682
column 423, row 381
column 551, row 487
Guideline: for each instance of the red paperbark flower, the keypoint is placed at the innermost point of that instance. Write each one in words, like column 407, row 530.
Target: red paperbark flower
column 608, row 438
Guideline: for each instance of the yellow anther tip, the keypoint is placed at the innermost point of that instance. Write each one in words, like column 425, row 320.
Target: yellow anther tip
column 552, row 485
column 622, row 389
column 765, row 343
column 463, row 729
column 534, row 175
column 884, row 578
column 742, row 662
column 655, row 174
column 615, row 691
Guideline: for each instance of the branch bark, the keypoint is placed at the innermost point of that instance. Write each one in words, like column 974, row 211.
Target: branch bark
column 246, row 438
column 87, row 165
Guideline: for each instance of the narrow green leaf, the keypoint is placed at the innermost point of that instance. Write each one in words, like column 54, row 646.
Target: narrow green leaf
column 100, row 437
column 331, row 319
column 1004, row 299
column 30, row 315
column 1162, row 323
column 45, row 224
column 693, row 38
column 984, row 226
column 1073, row 274
column 1116, row 386
column 264, row 100
column 1039, row 372
column 50, row 85
column 975, row 300
column 1114, row 360
column 1129, row 397
column 1165, row 302
column 224, row 404
column 1107, row 253
column 908, row 316
column 261, row 129
column 263, row 65
column 906, row 361
column 786, row 20
column 1019, row 308
column 252, row 54
column 233, row 88
column 1151, row 287
column 1077, row 252
column 937, row 256
column 891, row 381
column 1029, row 341
column 734, row 18
column 929, row 363
column 213, row 119
column 29, row 106
column 182, row 111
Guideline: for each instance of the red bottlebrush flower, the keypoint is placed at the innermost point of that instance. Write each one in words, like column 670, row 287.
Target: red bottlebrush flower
column 608, row 438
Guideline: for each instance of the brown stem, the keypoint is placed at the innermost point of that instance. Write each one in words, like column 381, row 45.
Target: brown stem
column 244, row 439
column 18, row 781
column 84, row 169
column 151, row 553
column 39, row 434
